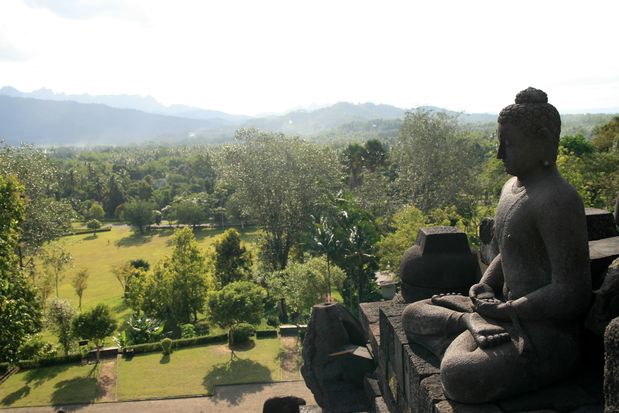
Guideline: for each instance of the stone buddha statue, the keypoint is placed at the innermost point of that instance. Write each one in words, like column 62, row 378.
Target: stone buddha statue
column 519, row 328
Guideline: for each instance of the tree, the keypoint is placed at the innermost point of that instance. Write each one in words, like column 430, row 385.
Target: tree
column 281, row 182
column 237, row 302
column 20, row 311
column 60, row 314
column 95, row 324
column 438, row 164
column 80, row 282
column 606, row 137
column 56, row 259
column 96, row 212
column 301, row 285
column 139, row 214
column 176, row 289
column 232, row 261
column 45, row 218
column 93, row 224
column 191, row 212
column 406, row 222
column 115, row 195
column 576, row 144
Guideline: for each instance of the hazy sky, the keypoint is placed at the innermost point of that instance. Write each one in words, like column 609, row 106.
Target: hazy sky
column 269, row 56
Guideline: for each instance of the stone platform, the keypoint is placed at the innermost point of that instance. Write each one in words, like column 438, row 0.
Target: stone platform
column 409, row 380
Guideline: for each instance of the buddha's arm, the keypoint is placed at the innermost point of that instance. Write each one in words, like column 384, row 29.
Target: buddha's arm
column 563, row 231
column 491, row 282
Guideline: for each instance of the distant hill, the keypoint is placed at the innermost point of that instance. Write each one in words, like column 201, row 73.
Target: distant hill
column 141, row 103
column 48, row 122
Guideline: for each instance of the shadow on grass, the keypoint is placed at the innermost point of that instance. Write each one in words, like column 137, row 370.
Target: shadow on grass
column 36, row 377
column 76, row 390
column 236, row 371
column 242, row 347
column 11, row 398
column 90, row 237
column 165, row 359
column 134, row 240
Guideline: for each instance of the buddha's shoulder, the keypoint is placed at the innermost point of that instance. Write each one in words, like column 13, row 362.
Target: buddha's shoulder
column 556, row 193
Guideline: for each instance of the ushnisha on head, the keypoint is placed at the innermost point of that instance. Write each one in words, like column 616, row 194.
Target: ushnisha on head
column 536, row 118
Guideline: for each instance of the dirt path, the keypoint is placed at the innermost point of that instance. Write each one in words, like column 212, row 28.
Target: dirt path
column 107, row 380
column 290, row 358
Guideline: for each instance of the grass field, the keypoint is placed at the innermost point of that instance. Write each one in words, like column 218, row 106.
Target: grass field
column 55, row 385
column 101, row 254
column 187, row 371
column 195, row 370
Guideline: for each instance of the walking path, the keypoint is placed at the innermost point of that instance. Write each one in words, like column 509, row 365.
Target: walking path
column 237, row 398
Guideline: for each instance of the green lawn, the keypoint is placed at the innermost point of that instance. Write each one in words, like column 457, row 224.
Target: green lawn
column 195, row 370
column 55, row 385
column 107, row 250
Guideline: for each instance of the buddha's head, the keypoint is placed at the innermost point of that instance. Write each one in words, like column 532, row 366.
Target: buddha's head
column 528, row 133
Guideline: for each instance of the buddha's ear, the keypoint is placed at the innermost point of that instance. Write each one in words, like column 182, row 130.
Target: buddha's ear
column 550, row 143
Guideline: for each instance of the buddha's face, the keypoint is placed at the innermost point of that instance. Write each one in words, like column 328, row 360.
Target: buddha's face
column 521, row 154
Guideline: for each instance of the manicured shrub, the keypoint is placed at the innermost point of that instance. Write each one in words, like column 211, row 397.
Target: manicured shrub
column 166, row 345
column 52, row 361
column 242, row 332
column 188, row 331
column 4, row 367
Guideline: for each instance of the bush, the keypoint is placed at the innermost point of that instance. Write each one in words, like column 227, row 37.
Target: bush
column 183, row 342
column 166, row 345
column 242, row 332
column 4, row 367
column 35, row 349
column 188, row 331
column 202, row 328
column 272, row 320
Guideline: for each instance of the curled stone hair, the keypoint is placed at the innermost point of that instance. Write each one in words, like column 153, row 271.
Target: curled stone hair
column 533, row 114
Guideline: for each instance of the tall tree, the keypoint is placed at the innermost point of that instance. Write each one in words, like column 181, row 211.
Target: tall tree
column 56, row 259
column 438, row 164
column 60, row 314
column 80, row 283
column 20, row 311
column 232, row 261
column 139, row 214
column 45, row 218
column 280, row 181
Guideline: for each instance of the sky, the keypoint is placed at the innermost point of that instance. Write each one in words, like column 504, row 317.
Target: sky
column 265, row 56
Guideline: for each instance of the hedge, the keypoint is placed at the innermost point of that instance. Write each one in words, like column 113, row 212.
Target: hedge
column 87, row 231
column 46, row 362
column 266, row 333
column 4, row 367
column 193, row 341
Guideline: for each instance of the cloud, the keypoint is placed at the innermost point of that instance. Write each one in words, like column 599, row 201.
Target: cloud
column 10, row 53
column 88, row 9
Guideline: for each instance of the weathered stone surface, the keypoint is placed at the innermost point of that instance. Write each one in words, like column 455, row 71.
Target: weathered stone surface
column 606, row 301
column 602, row 253
column 310, row 409
column 419, row 363
column 439, row 262
column 487, row 251
column 448, row 406
column 380, row 406
column 562, row 397
column 600, row 224
column 332, row 327
column 372, row 387
column 430, row 392
column 286, row 404
column 611, row 368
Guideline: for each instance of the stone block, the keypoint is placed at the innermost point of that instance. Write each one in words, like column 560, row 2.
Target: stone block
column 430, row 392
column 380, row 406
column 441, row 239
column 601, row 254
column 562, row 397
column 372, row 387
column 368, row 313
column 419, row 363
column 600, row 224
column 611, row 367
column 448, row 406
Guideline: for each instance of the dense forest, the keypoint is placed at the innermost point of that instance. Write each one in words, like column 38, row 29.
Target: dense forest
column 353, row 207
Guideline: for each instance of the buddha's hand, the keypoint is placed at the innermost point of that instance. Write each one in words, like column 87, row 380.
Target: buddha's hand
column 485, row 333
column 492, row 308
column 453, row 301
column 481, row 291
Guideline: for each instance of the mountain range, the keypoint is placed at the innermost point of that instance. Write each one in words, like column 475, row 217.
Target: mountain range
column 47, row 118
